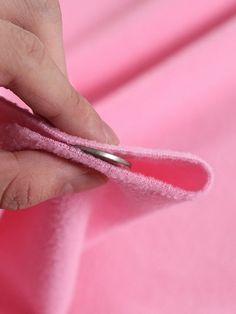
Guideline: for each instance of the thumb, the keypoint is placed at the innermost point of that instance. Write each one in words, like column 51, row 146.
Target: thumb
column 31, row 177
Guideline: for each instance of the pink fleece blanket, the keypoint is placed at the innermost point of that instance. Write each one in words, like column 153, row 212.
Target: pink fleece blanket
column 162, row 74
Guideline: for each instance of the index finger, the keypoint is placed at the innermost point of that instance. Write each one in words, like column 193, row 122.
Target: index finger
column 30, row 73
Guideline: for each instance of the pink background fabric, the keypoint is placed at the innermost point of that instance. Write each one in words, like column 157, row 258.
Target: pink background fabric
column 162, row 74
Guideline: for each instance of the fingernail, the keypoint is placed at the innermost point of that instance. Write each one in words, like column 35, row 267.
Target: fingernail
column 109, row 134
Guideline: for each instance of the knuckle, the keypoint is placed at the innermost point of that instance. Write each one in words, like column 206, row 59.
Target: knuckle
column 25, row 44
column 32, row 47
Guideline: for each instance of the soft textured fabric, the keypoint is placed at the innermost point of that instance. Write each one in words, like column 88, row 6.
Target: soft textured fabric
column 156, row 177
column 163, row 74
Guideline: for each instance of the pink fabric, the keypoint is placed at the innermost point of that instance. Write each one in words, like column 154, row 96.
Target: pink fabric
column 162, row 74
column 156, row 178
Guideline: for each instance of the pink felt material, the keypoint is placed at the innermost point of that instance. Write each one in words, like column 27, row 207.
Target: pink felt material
column 163, row 74
column 157, row 177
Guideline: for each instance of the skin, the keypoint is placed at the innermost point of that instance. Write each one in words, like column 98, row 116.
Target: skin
column 31, row 59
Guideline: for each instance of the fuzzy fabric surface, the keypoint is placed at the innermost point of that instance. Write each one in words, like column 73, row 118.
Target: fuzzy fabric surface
column 162, row 74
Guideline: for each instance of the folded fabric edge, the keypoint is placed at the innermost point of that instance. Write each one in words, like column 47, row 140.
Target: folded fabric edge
column 141, row 180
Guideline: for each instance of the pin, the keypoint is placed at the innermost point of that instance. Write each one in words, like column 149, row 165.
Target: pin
column 111, row 158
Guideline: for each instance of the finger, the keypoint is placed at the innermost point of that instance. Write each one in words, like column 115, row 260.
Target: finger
column 42, row 18
column 30, row 73
column 23, row 185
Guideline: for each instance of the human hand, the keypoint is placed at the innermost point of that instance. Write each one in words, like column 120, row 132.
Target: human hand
column 32, row 66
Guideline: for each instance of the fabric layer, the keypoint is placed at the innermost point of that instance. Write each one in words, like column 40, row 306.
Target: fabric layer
column 163, row 74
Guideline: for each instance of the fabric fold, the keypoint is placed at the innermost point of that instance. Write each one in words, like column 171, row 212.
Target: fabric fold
column 156, row 179
column 156, row 176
